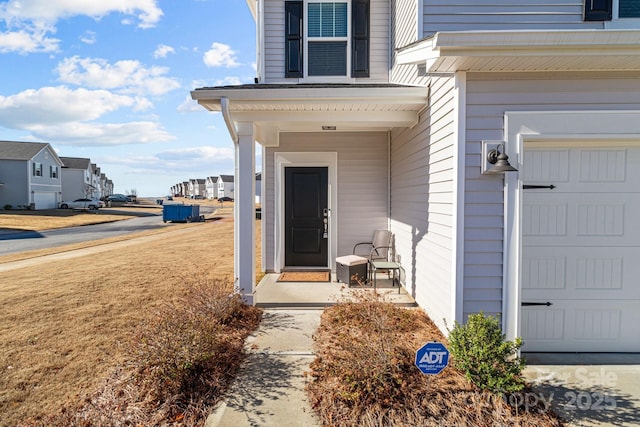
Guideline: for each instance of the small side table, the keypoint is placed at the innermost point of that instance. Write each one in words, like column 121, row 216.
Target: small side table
column 394, row 267
column 350, row 267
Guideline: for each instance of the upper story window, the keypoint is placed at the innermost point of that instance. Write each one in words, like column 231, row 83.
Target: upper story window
column 37, row 169
column 53, row 171
column 327, row 38
column 620, row 13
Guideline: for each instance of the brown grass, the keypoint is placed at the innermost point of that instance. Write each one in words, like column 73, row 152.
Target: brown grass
column 64, row 326
column 364, row 375
column 61, row 218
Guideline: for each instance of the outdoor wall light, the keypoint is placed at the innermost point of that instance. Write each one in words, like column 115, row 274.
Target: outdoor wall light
column 495, row 159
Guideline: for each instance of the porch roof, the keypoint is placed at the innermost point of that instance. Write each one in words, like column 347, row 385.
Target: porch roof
column 534, row 50
column 275, row 108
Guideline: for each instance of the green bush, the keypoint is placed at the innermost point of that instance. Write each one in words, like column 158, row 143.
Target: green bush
column 489, row 361
column 7, row 207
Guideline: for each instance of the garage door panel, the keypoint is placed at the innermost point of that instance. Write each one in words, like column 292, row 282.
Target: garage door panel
column 589, row 326
column 606, row 219
column 581, row 250
column 45, row 200
column 581, row 273
column 571, row 170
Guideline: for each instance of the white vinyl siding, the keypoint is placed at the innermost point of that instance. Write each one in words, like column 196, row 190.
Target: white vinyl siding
column 422, row 202
column 362, row 185
column 274, row 47
column 474, row 15
column 488, row 98
column 405, row 32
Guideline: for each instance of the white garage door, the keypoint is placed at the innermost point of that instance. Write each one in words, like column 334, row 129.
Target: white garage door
column 45, row 200
column 581, row 249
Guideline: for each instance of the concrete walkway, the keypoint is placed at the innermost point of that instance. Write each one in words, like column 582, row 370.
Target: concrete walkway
column 585, row 389
column 270, row 388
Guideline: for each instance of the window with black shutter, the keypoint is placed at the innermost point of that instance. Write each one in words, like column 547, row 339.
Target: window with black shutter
column 360, row 38
column 293, row 39
column 324, row 27
column 598, row 10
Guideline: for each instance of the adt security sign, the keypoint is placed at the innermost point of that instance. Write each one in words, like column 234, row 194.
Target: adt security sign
column 432, row 358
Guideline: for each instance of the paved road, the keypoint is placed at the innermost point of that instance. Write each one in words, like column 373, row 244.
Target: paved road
column 31, row 240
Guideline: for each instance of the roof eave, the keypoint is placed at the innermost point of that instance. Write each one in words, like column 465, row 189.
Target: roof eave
column 569, row 50
column 210, row 97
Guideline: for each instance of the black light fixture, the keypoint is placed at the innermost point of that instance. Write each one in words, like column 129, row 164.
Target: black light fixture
column 499, row 160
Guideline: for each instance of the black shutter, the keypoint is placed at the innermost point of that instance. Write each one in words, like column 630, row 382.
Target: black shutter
column 598, row 10
column 293, row 39
column 360, row 38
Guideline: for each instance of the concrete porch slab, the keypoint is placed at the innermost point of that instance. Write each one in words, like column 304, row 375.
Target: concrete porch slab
column 273, row 294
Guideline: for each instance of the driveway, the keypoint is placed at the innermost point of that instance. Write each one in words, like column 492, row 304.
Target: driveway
column 586, row 389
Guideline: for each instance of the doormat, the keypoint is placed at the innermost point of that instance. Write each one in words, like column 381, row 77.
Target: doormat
column 304, row 276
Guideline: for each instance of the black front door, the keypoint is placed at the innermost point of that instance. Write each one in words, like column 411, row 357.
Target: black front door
column 305, row 212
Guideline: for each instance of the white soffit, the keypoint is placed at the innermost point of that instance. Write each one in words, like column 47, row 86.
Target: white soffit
column 504, row 51
column 307, row 109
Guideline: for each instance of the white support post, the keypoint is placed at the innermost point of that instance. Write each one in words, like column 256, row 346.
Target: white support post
column 244, row 213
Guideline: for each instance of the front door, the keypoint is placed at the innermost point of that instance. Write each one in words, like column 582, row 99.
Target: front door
column 306, row 226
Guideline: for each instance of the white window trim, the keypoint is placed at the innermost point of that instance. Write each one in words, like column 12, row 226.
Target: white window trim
column 311, row 159
column 621, row 23
column 305, row 50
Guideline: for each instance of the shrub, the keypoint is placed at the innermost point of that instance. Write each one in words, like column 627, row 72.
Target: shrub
column 7, row 207
column 181, row 360
column 479, row 349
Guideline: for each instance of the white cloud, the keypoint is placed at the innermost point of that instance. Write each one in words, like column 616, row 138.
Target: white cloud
column 68, row 117
column 220, row 55
column 55, row 105
column 26, row 25
column 195, row 162
column 162, row 51
column 89, row 37
column 103, row 134
column 190, row 106
column 194, row 158
column 127, row 76
column 27, row 40
column 229, row 81
column 146, row 11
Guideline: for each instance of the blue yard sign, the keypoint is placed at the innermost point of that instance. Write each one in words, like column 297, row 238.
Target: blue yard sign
column 432, row 358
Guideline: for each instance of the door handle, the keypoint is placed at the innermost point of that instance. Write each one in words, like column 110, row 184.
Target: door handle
column 528, row 304
column 325, row 221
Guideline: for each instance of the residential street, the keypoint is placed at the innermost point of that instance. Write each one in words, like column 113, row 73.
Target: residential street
column 11, row 242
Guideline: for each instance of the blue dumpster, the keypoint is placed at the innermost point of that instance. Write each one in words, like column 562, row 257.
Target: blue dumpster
column 181, row 213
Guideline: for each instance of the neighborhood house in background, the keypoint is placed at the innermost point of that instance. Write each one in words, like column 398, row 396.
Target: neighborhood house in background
column 213, row 187
column 32, row 176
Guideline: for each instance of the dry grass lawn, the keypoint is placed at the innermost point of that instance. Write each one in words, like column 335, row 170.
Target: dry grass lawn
column 364, row 375
column 64, row 326
column 49, row 219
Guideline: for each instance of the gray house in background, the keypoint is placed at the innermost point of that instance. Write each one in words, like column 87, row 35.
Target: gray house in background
column 397, row 130
column 76, row 178
column 29, row 175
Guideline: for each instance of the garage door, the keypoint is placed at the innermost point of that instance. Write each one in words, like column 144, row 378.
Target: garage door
column 581, row 249
column 45, row 200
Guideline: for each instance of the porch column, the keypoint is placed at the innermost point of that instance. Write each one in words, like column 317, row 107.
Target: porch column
column 244, row 213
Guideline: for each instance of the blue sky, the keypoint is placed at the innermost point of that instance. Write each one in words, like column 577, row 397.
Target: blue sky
column 110, row 80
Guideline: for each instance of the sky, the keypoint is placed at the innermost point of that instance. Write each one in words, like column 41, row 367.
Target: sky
column 110, row 80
